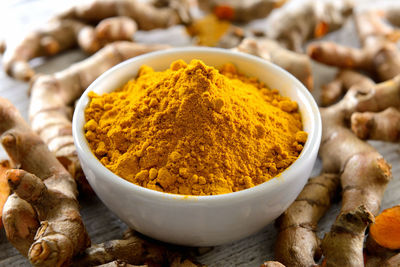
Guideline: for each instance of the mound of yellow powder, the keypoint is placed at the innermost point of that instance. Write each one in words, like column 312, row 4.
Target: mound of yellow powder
column 194, row 130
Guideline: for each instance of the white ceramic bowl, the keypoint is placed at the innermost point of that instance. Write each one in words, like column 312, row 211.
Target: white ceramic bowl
column 200, row 220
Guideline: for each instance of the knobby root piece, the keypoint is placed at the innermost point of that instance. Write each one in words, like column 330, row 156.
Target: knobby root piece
column 61, row 234
column 272, row 264
column 91, row 39
column 4, row 188
column 297, row 243
column 20, row 223
column 52, row 97
column 385, row 230
column 292, row 27
column 381, row 97
column 146, row 15
column 347, row 236
column 116, row 20
column 379, row 54
column 364, row 175
column 133, row 249
column 297, row 64
column 383, row 126
column 56, row 36
column 240, row 11
column 344, row 80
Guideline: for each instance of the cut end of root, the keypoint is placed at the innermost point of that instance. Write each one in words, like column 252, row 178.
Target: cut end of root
column 21, row 71
column 14, row 177
column 8, row 140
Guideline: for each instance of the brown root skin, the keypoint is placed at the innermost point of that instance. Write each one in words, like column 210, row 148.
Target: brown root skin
column 344, row 80
column 147, row 16
column 133, row 249
column 293, row 27
column 343, row 245
column 297, row 64
column 71, row 28
column 20, row 223
column 378, row 55
column 297, row 243
column 61, row 234
column 91, row 39
column 55, row 37
column 384, row 126
column 364, row 175
column 53, row 95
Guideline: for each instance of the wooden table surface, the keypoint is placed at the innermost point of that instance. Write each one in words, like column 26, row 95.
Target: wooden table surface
column 18, row 17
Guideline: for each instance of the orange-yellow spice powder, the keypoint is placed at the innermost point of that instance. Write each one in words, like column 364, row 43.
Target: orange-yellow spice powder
column 194, row 130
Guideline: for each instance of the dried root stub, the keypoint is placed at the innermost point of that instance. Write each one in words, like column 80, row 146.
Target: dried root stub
column 333, row 91
column 134, row 249
column 379, row 54
column 297, row 243
column 52, row 98
column 238, row 10
column 292, row 27
column 44, row 192
column 378, row 117
column 91, row 26
column 297, row 64
column 363, row 175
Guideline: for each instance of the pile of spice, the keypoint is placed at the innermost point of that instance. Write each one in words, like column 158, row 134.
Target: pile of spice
column 194, row 130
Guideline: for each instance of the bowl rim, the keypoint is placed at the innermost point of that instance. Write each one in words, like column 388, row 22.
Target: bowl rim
column 312, row 143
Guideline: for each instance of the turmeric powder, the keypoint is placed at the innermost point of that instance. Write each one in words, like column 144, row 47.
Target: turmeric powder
column 194, row 130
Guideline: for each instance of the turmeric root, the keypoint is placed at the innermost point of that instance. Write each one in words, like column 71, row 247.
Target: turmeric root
column 297, row 243
column 379, row 55
column 4, row 188
column 297, row 64
column 57, row 36
column 53, row 95
column 363, row 174
column 61, row 233
column 74, row 27
column 240, row 11
column 146, row 15
column 385, row 230
column 331, row 92
column 384, row 126
column 91, row 39
column 292, row 27
column 133, row 249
